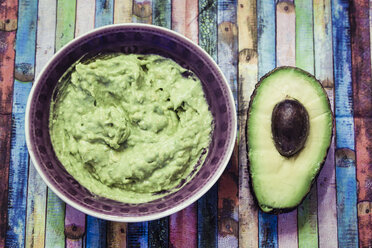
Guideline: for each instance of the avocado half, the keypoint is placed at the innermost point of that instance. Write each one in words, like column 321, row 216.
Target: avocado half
column 289, row 131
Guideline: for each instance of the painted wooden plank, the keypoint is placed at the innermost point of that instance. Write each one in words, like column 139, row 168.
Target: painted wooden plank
column 84, row 16
column 162, row 11
column 267, row 223
column 159, row 233
column 123, row 11
column 96, row 228
column 104, row 13
column 183, row 224
column 117, row 231
column 185, row 18
column 159, row 229
column 117, row 234
column 54, row 230
column 285, row 56
column 18, row 166
column 228, row 197
column 362, row 87
column 345, row 154
column 96, row 233
column 207, row 205
column 137, row 234
column 307, row 214
column 37, row 189
column 182, row 228
column 326, row 182
column 8, row 11
column 74, row 226
column 65, row 27
column 247, row 72
column 8, row 15
column 142, row 11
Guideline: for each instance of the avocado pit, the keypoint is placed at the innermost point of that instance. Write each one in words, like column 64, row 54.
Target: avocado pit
column 289, row 126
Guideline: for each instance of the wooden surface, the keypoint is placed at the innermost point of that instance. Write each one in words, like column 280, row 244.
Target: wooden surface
column 247, row 38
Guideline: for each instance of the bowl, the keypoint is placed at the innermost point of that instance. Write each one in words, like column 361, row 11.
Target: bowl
column 142, row 39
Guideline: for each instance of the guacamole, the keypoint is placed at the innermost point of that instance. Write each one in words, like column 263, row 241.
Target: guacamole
column 130, row 127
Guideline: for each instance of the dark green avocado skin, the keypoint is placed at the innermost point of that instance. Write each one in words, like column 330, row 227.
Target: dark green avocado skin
column 284, row 210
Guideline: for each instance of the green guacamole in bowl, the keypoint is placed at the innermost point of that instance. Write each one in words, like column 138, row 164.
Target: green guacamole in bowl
column 130, row 127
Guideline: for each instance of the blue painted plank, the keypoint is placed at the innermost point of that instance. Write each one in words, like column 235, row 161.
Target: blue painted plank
column 104, row 13
column 268, row 223
column 162, row 11
column 266, row 36
column 345, row 145
column 96, row 233
column 137, row 234
column 207, row 205
column 18, row 170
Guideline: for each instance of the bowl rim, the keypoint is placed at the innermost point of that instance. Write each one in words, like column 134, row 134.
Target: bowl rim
column 177, row 206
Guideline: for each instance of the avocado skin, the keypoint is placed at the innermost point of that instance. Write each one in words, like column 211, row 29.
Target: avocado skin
column 285, row 210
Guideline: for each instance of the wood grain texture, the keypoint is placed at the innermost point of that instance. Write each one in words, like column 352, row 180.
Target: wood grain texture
column 8, row 15
column 55, row 216
column 307, row 214
column 7, row 57
column 104, row 13
column 247, row 75
column 362, row 87
column 142, row 11
column 267, row 223
column 159, row 229
column 162, row 11
column 228, row 184
column 326, row 182
column 137, row 234
column 185, row 18
column 183, row 228
column 117, row 234
column 123, row 11
column 285, row 28
column 96, row 233
column 74, row 224
column 37, row 189
column 18, row 166
column 84, row 16
column 65, row 29
column 347, row 225
column 183, row 224
column 207, row 205
column 286, row 56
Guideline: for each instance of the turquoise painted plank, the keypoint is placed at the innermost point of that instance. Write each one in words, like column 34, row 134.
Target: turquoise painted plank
column 18, row 170
column 268, row 223
column 138, row 234
column 96, row 233
column 162, row 13
column 345, row 145
column 158, row 230
column 54, row 228
column 207, row 205
column 104, row 13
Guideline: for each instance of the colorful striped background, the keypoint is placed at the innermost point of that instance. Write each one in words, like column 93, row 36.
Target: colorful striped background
column 329, row 38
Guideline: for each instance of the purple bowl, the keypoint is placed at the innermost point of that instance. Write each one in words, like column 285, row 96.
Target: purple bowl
column 143, row 39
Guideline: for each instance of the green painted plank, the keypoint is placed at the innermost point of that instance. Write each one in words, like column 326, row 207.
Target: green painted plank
column 65, row 28
column 161, row 15
column 307, row 211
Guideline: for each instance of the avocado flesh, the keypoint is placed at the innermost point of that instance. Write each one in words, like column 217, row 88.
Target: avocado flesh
column 280, row 182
